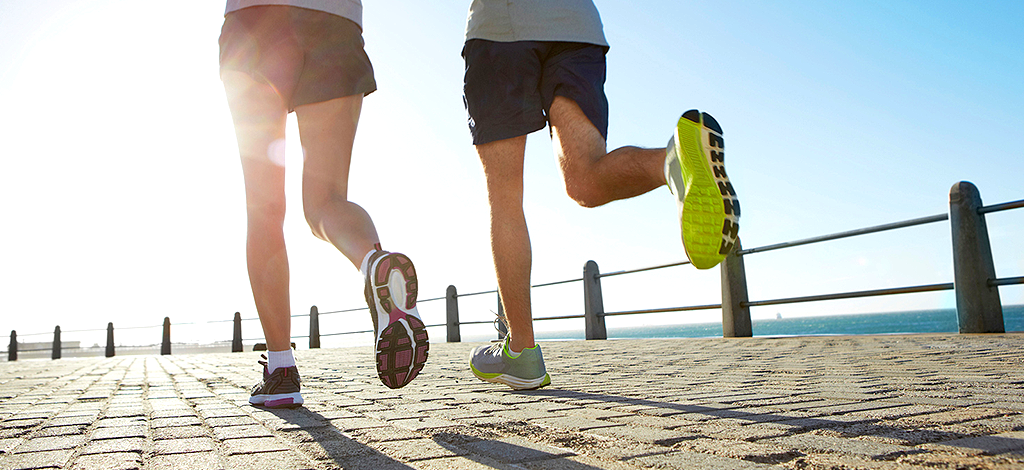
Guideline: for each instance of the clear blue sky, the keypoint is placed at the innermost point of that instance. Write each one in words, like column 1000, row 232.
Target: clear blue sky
column 122, row 192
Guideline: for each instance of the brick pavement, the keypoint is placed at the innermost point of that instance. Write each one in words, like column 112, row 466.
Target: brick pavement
column 922, row 401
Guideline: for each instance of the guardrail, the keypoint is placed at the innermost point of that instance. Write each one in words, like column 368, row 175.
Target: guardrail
column 978, row 306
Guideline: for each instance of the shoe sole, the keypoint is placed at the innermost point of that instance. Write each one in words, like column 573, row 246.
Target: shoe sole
column 709, row 209
column 403, row 345
column 516, row 383
column 280, row 400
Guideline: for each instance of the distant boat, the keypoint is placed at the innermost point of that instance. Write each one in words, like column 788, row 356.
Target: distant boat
column 778, row 315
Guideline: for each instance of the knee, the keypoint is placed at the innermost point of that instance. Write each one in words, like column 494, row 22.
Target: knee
column 314, row 218
column 265, row 215
column 580, row 187
column 316, row 210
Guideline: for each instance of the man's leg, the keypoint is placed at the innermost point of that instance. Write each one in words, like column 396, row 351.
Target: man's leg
column 593, row 176
column 259, row 118
column 327, row 130
column 510, row 241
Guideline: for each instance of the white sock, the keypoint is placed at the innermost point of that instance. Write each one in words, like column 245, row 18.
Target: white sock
column 279, row 359
column 365, row 265
column 510, row 352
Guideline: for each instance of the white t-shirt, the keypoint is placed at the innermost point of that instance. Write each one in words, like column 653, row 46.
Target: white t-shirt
column 535, row 20
column 349, row 9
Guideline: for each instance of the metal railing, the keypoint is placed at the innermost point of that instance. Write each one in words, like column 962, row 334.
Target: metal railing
column 976, row 287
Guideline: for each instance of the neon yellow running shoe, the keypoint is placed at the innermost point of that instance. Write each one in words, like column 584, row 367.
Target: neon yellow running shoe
column 709, row 211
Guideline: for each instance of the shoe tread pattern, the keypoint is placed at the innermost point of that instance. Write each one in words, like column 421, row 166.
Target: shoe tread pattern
column 403, row 346
column 711, row 210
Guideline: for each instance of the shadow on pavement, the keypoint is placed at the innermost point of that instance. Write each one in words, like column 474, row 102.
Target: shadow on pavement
column 313, row 434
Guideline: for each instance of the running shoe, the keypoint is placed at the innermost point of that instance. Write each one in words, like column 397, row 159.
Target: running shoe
column 401, row 338
column 495, row 364
column 709, row 211
column 279, row 389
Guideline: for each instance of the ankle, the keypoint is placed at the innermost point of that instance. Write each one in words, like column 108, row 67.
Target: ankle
column 516, row 345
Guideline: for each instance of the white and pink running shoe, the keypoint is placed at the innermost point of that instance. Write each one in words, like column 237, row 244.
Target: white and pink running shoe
column 401, row 338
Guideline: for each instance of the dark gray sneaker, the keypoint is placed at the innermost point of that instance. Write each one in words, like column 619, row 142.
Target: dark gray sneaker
column 495, row 364
column 277, row 390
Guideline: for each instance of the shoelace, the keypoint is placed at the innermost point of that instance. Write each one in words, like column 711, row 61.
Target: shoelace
column 264, row 363
column 499, row 321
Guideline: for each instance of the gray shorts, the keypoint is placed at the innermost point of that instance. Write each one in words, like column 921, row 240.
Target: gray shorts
column 308, row 56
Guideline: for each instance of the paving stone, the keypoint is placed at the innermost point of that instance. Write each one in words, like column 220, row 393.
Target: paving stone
column 389, row 433
column 352, row 424
column 231, row 421
column 656, row 436
column 241, row 432
column 1004, row 443
column 516, row 450
column 415, row 450
column 269, row 460
column 254, row 445
column 422, row 424
column 44, row 444
column 105, row 446
column 183, row 432
column 691, row 460
column 33, row 460
column 122, row 432
column 828, row 444
column 183, row 446
column 53, row 431
column 574, row 423
column 110, row 461
column 335, row 450
column 120, row 422
column 193, row 461
column 177, row 421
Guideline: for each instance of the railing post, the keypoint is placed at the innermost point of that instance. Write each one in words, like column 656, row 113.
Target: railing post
column 110, row 339
column 314, row 328
column 165, row 345
column 502, row 327
column 236, row 340
column 978, row 307
column 12, row 350
column 593, row 302
column 735, row 312
column 451, row 300
column 56, row 343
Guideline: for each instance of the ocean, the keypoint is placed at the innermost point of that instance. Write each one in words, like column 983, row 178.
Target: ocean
column 908, row 322
column 921, row 321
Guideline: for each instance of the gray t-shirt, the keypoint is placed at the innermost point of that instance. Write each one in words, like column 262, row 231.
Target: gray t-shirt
column 535, row 20
column 349, row 9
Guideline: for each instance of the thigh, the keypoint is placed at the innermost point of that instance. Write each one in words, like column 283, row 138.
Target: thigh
column 577, row 141
column 327, row 130
column 501, row 89
column 577, row 71
column 259, row 119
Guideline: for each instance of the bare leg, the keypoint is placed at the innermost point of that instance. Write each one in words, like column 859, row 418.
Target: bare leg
column 327, row 130
column 510, row 239
column 593, row 176
column 259, row 117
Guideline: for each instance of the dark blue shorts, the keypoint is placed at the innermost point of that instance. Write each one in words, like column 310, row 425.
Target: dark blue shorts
column 509, row 86
column 308, row 56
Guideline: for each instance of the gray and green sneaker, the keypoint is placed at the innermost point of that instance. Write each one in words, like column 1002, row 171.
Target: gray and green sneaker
column 495, row 363
column 709, row 210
